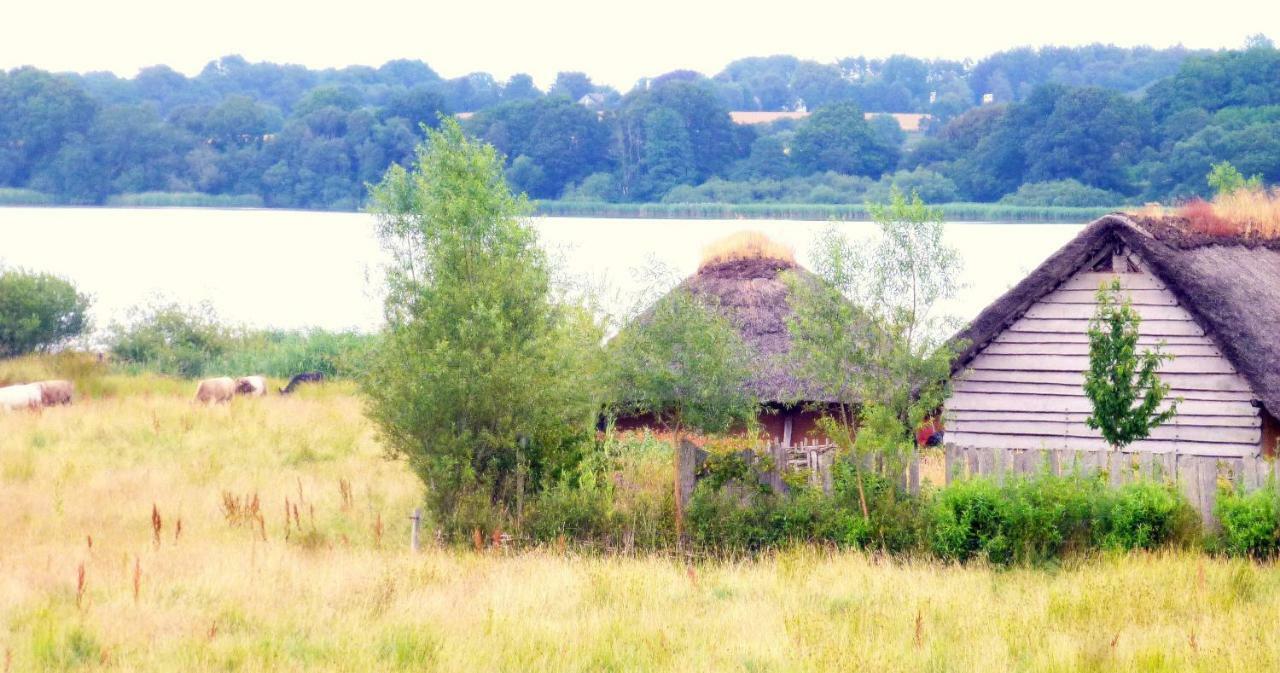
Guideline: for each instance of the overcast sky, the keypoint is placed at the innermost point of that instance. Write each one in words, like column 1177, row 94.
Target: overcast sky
column 616, row 43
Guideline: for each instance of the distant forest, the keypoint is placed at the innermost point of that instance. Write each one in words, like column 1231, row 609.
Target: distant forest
column 1082, row 126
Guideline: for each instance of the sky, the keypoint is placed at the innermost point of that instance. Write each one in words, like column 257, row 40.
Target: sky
column 615, row 43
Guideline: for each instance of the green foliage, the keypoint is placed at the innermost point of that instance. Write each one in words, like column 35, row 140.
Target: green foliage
column 171, row 338
column 685, row 364
column 1069, row 192
column 483, row 378
column 1123, row 385
column 38, row 311
column 1226, row 179
column 1043, row 518
column 1250, row 522
column 864, row 332
column 838, row 138
column 726, row 520
column 1147, row 515
column 1027, row 520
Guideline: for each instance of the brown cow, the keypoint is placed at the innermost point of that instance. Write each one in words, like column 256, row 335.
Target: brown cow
column 215, row 391
column 56, row 391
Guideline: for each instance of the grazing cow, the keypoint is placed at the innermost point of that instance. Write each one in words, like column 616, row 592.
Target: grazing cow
column 24, row 396
column 56, row 392
column 298, row 379
column 253, row 386
column 215, row 391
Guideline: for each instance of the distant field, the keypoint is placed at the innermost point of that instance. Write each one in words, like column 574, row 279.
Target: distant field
column 338, row 590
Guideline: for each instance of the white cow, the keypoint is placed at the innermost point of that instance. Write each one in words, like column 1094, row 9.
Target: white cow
column 253, row 386
column 24, row 396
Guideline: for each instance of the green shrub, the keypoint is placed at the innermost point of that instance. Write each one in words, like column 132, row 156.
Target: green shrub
column 1032, row 519
column 1250, row 522
column 970, row 518
column 1147, row 515
column 1065, row 193
column 171, row 339
column 38, row 311
column 582, row 513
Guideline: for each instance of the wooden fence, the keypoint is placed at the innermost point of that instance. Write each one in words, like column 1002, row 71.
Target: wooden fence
column 1199, row 477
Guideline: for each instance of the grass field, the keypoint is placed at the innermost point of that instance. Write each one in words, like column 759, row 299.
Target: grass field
column 337, row 589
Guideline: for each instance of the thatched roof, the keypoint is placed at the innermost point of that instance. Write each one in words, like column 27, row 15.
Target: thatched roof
column 743, row 277
column 1230, row 285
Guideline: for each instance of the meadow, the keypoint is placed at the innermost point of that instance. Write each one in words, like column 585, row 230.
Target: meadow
column 142, row 533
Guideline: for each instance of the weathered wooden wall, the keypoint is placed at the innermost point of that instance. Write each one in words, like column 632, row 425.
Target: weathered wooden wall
column 1024, row 390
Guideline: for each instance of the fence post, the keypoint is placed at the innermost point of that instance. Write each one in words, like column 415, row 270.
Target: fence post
column 417, row 523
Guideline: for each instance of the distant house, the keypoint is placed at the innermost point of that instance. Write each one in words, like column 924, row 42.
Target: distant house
column 742, row 276
column 1214, row 301
column 592, row 101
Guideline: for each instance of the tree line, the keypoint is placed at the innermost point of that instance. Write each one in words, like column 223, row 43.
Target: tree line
column 1095, row 125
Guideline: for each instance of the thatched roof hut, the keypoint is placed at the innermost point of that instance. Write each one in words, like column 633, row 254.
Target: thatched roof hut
column 742, row 276
column 1214, row 300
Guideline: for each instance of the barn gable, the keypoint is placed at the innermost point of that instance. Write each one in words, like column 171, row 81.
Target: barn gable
column 1018, row 383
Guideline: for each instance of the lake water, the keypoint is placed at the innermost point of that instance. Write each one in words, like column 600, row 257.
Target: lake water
column 293, row 269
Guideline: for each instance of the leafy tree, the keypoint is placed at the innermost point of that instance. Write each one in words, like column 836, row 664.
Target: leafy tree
column 864, row 332
column 572, row 85
column 416, row 105
column 520, row 87
column 838, row 138
column 38, row 311
column 482, row 379
column 1226, row 179
column 1122, row 384
column 1091, row 135
column 683, row 364
column 668, row 158
column 713, row 142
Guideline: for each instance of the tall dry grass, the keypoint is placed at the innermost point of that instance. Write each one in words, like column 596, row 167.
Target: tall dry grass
column 318, row 575
column 745, row 245
column 1245, row 212
column 1256, row 211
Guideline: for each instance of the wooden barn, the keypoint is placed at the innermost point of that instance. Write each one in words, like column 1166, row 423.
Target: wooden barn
column 743, row 277
column 1213, row 300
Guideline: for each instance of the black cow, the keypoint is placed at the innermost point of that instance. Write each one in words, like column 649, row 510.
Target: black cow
column 298, row 379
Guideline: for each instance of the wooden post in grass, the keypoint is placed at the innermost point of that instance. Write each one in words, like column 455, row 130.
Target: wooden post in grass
column 417, row 522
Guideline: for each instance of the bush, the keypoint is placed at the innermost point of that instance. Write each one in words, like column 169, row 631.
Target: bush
column 1250, row 522
column 969, row 519
column 38, row 311
column 1147, row 515
column 582, row 513
column 171, row 339
column 1026, row 520
column 932, row 187
column 1068, row 193
column 1042, row 518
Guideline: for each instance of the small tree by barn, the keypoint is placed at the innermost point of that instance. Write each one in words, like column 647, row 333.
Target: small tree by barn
column 483, row 379
column 1123, row 384
column 868, row 333
column 684, row 365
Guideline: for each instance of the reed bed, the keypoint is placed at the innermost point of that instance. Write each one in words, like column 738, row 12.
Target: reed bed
column 184, row 200
column 975, row 212
column 142, row 533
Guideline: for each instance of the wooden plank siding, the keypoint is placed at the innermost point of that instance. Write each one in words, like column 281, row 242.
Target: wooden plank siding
column 1024, row 390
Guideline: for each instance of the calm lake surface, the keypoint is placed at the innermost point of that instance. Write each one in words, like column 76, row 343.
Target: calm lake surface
column 292, row 269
